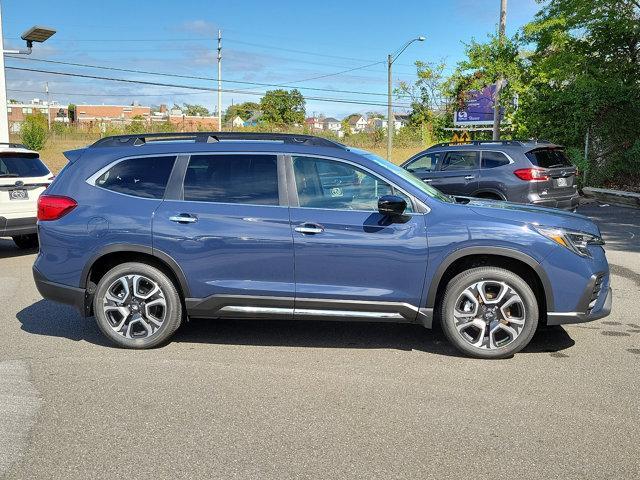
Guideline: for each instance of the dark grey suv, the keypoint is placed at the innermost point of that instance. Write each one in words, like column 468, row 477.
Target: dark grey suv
column 536, row 172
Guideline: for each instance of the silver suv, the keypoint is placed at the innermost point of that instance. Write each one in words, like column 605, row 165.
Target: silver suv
column 536, row 172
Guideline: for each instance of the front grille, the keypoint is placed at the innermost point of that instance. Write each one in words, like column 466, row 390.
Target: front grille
column 595, row 294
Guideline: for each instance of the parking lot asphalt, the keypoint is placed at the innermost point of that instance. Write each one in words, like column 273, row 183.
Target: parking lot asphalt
column 248, row 399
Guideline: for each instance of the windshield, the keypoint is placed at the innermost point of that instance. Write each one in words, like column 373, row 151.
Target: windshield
column 409, row 177
column 21, row 165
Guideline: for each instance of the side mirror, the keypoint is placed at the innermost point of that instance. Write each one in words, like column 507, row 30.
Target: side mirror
column 391, row 205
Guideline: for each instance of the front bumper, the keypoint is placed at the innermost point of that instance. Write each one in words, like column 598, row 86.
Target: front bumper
column 77, row 297
column 12, row 227
column 563, row 318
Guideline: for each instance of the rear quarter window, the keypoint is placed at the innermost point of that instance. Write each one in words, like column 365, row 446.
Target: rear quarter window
column 549, row 158
column 494, row 159
column 144, row 177
column 22, row 165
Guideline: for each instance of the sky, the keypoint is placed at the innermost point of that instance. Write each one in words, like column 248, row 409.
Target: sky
column 307, row 45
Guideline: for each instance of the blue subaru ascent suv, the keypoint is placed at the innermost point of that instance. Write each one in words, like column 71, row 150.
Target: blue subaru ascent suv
column 144, row 232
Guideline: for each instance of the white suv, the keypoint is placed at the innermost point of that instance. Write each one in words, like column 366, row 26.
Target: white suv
column 23, row 177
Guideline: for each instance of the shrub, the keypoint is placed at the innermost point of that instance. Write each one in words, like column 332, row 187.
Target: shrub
column 34, row 131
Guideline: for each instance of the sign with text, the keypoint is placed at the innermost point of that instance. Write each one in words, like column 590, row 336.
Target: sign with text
column 478, row 108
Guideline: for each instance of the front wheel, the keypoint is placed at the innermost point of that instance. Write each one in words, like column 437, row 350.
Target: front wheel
column 489, row 312
column 137, row 306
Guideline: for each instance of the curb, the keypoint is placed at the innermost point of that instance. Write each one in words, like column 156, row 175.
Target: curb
column 618, row 197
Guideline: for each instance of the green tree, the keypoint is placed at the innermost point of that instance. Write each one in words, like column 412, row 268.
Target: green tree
column 282, row 107
column 137, row 125
column 34, row 131
column 583, row 79
column 242, row 110
column 195, row 110
column 71, row 108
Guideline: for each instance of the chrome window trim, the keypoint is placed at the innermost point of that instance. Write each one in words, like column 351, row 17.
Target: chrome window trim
column 354, row 164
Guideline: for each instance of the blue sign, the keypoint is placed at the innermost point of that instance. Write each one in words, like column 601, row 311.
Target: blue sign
column 478, row 108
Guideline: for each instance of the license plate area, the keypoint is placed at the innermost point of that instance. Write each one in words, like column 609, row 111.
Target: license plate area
column 563, row 182
column 18, row 194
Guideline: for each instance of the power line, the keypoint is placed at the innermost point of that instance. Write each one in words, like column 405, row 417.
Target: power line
column 192, row 87
column 196, row 77
column 132, row 95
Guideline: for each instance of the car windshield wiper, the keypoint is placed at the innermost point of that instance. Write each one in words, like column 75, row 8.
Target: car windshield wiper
column 557, row 165
column 8, row 174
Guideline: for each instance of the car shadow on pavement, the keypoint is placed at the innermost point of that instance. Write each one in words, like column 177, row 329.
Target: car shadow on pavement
column 317, row 334
column 52, row 319
column 9, row 249
column 57, row 320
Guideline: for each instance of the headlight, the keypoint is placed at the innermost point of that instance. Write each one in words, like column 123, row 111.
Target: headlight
column 575, row 241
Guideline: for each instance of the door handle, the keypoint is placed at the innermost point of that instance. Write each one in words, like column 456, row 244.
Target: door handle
column 469, row 177
column 427, row 180
column 309, row 228
column 183, row 218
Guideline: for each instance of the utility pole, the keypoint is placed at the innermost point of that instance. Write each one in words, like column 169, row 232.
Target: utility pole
column 390, row 121
column 496, row 108
column 46, row 90
column 4, row 116
column 220, row 79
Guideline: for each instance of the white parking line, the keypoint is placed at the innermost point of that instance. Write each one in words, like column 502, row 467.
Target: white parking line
column 19, row 403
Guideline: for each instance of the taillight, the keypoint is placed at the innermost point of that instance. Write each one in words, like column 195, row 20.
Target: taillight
column 532, row 174
column 53, row 207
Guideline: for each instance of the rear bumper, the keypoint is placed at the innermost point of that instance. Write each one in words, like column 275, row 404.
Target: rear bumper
column 11, row 227
column 564, row 203
column 74, row 296
column 562, row 318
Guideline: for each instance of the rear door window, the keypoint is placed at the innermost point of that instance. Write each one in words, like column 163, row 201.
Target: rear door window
column 549, row 158
column 144, row 177
column 494, row 159
column 22, row 165
column 247, row 178
column 465, row 160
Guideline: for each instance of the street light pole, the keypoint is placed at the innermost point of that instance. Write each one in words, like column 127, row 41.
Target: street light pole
column 220, row 79
column 389, row 109
column 390, row 120
column 4, row 116
column 34, row 34
column 496, row 105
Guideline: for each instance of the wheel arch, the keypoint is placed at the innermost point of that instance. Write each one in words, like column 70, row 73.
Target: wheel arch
column 489, row 191
column 520, row 263
column 115, row 254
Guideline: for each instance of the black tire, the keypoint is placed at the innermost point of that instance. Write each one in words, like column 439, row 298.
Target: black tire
column 172, row 309
column 26, row 242
column 454, row 294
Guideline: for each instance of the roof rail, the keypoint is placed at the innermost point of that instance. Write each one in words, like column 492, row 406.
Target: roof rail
column 137, row 140
column 490, row 142
column 13, row 145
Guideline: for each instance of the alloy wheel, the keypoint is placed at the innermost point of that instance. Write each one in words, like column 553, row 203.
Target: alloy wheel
column 135, row 306
column 489, row 314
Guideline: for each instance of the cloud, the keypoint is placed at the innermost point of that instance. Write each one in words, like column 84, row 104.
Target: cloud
column 201, row 27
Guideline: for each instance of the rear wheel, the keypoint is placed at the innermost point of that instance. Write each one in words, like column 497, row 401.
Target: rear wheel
column 26, row 242
column 137, row 306
column 489, row 312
